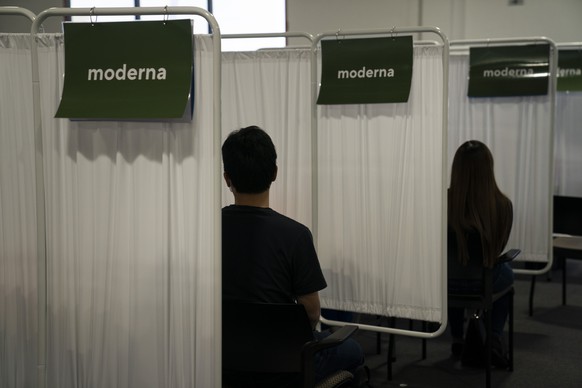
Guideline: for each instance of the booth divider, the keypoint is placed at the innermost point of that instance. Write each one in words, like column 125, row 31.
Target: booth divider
column 42, row 258
column 568, row 179
column 313, row 123
column 463, row 45
column 443, row 262
column 19, row 11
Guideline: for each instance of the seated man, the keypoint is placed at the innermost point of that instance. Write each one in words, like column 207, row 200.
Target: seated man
column 266, row 256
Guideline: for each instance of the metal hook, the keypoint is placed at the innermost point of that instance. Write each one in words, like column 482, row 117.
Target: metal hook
column 91, row 13
column 165, row 14
column 393, row 33
column 337, row 36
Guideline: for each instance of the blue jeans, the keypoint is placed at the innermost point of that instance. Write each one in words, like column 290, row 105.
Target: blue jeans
column 502, row 278
column 346, row 356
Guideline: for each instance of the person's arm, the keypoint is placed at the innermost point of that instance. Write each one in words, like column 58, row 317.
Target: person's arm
column 312, row 306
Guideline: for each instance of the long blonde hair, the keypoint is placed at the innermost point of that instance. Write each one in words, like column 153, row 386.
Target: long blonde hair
column 475, row 203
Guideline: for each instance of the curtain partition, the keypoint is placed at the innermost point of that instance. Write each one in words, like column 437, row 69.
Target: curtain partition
column 519, row 132
column 381, row 200
column 129, row 242
column 18, row 237
column 568, row 139
column 568, row 143
column 130, row 279
column 272, row 89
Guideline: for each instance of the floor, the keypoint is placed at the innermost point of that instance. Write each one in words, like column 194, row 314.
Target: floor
column 548, row 345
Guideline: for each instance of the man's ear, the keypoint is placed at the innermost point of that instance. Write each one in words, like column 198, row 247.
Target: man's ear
column 275, row 174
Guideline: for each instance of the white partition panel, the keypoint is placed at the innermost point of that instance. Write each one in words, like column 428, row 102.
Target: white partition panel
column 18, row 233
column 18, row 249
column 568, row 139
column 272, row 89
column 129, row 241
column 131, row 274
column 568, row 145
column 381, row 189
column 519, row 132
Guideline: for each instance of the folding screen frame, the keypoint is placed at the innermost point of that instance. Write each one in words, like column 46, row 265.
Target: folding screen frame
column 289, row 34
column 39, row 172
column 569, row 45
column 391, row 32
column 18, row 11
column 552, row 92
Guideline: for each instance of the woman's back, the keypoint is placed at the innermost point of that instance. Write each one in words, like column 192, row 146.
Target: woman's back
column 480, row 216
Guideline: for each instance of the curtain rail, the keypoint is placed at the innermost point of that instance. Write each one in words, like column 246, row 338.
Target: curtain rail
column 289, row 34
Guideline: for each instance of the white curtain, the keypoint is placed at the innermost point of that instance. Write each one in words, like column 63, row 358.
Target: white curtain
column 129, row 223
column 272, row 89
column 18, row 236
column 380, row 200
column 517, row 130
column 568, row 145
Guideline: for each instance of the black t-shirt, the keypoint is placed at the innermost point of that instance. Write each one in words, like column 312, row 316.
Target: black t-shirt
column 267, row 257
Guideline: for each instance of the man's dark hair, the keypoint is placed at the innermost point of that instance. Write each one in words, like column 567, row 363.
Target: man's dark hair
column 250, row 160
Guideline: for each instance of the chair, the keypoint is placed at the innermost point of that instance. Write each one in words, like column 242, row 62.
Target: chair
column 568, row 241
column 391, row 356
column 272, row 345
column 483, row 302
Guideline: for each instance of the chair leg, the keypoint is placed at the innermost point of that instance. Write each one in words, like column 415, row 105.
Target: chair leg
column 488, row 340
column 563, row 260
column 532, row 288
column 425, row 329
column 379, row 336
column 423, row 340
column 390, row 359
column 378, row 343
column 511, row 331
column 391, row 345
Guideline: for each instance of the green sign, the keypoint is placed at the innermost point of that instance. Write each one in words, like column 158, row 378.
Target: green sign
column 365, row 71
column 570, row 70
column 128, row 70
column 509, row 71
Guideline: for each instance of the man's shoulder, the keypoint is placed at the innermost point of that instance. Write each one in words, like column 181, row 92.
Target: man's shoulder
column 289, row 222
column 267, row 213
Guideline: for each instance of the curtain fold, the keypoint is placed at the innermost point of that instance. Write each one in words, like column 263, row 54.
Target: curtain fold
column 380, row 200
column 517, row 130
column 272, row 89
column 130, row 273
column 18, row 235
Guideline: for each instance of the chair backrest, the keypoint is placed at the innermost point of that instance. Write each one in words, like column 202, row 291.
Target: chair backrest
column 263, row 337
column 568, row 215
column 473, row 270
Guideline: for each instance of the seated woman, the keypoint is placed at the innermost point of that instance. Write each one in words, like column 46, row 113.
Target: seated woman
column 480, row 217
